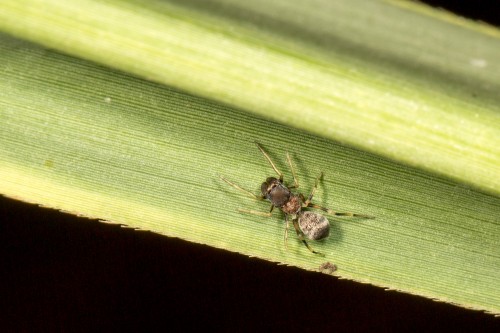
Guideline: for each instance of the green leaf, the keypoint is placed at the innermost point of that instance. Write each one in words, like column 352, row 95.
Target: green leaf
column 397, row 79
column 411, row 84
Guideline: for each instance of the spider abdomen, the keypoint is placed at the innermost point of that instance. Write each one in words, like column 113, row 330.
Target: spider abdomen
column 315, row 226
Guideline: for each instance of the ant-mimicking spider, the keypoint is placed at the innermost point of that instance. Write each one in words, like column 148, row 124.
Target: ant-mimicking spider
column 306, row 223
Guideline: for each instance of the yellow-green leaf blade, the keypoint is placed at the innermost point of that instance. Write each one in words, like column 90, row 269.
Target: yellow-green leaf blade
column 85, row 139
column 356, row 72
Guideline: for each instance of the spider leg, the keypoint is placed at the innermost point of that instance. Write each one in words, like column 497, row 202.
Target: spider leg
column 300, row 234
column 331, row 212
column 270, row 161
column 259, row 198
column 308, row 201
column 295, row 181
column 254, row 212
column 286, row 231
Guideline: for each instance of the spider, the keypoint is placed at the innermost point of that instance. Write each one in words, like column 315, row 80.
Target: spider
column 308, row 224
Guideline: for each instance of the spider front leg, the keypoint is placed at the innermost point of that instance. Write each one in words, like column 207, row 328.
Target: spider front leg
column 254, row 212
column 295, row 181
column 270, row 161
column 259, row 198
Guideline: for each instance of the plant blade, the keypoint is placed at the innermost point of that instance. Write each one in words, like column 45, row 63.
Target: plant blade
column 349, row 71
column 85, row 139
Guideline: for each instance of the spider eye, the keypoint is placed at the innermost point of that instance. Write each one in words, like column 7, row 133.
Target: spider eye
column 263, row 188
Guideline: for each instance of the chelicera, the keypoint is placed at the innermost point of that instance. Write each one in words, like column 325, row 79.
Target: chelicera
column 306, row 223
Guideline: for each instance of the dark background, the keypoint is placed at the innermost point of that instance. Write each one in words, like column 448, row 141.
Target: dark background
column 64, row 273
